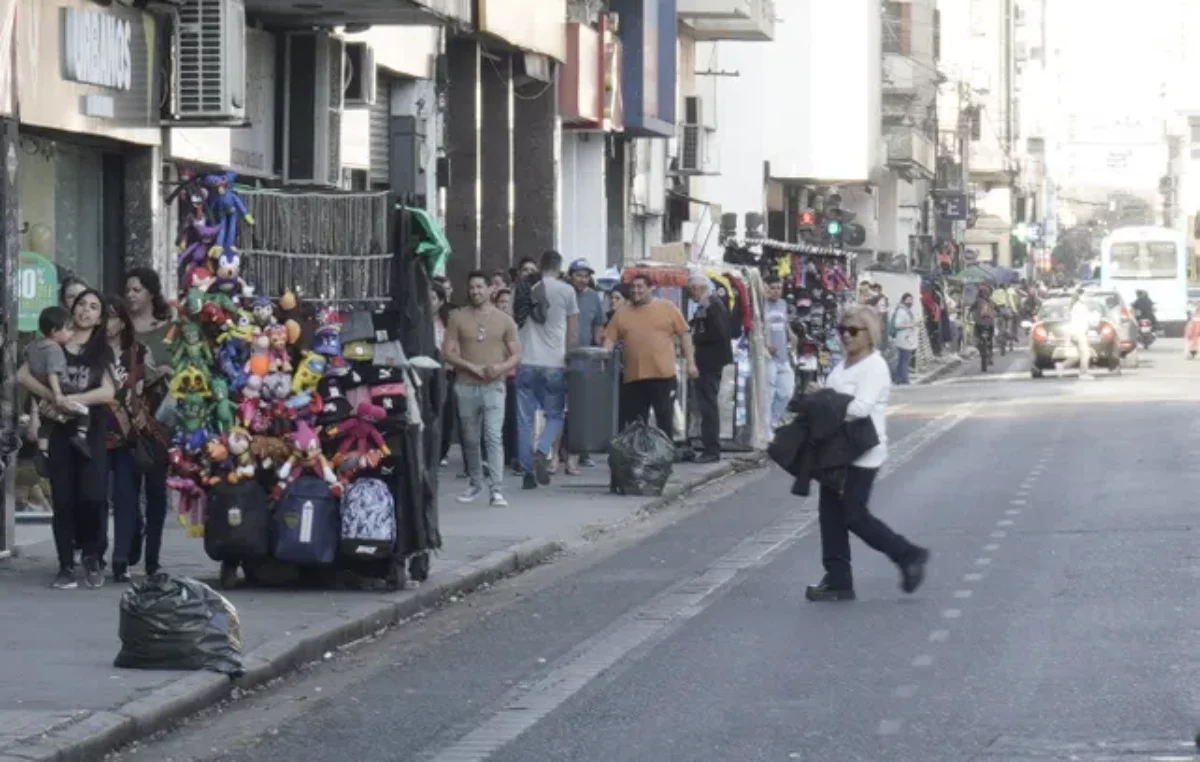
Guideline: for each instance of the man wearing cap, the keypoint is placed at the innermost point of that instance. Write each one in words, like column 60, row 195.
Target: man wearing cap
column 591, row 334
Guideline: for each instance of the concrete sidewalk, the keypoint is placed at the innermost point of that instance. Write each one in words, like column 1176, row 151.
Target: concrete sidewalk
column 62, row 699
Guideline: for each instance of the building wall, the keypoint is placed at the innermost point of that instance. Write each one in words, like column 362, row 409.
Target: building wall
column 584, row 197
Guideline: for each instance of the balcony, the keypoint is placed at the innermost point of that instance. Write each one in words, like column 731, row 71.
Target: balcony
column 909, row 153
column 330, row 13
column 714, row 20
column 900, row 75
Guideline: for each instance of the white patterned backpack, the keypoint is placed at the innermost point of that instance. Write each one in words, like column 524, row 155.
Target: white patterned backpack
column 368, row 519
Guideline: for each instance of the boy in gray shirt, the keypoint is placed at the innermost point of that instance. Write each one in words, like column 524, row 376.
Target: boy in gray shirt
column 48, row 362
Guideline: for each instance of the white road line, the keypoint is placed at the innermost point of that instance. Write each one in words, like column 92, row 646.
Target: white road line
column 991, row 547
column 939, row 636
column 972, row 577
column 889, row 727
column 523, row 708
column 952, row 614
column 1004, row 523
column 1017, row 501
column 905, row 691
column 1013, row 512
column 999, row 534
column 984, row 561
column 963, row 593
column 924, row 660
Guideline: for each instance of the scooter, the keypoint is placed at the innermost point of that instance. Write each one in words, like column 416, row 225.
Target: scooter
column 1146, row 334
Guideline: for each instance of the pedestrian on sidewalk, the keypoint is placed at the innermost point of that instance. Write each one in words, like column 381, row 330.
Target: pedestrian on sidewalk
column 548, row 323
column 648, row 328
column 80, row 482
column 864, row 375
column 904, row 331
column 503, row 300
column 592, row 319
column 713, row 342
column 481, row 343
column 781, row 373
column 439, row 305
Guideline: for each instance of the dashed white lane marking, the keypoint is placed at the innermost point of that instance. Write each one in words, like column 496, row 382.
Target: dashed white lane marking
column 524, row 707
column 972, row 577
column 999, row 534
column 924, row 660
column 889, row 727
column 963, row 593
column 1017, row 501
column 1012, row 512
column 1004, row 523
column 991, row 547
column 905, row 691
column 952, row 614
column 982, row 561
column 939, row 636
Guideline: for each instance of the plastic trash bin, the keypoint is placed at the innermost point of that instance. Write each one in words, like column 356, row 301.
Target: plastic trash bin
column 593, row 387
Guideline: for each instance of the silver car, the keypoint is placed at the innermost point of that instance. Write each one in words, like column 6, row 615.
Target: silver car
column 1122, row 315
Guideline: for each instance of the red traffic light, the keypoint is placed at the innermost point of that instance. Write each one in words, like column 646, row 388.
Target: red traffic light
column 807, row 218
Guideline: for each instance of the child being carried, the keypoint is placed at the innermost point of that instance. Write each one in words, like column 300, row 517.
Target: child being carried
column 48, row 362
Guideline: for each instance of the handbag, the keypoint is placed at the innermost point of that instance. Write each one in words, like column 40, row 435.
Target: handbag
column 148, row 439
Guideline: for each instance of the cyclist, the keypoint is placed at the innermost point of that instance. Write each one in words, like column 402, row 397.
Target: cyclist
column 983, row 314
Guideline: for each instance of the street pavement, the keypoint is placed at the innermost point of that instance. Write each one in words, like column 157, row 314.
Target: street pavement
column 1057, row 622
column 57, row 647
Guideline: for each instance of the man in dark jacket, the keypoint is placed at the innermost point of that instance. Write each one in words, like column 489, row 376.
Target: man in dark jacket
column 714, row 350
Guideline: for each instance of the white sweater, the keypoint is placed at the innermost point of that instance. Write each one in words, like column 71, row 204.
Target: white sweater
column 869, row 381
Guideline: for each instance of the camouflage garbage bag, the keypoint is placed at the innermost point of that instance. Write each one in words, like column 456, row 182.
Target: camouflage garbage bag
column 640, row 460
column 179, row 623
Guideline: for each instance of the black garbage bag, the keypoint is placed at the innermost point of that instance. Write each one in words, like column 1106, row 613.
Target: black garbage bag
column 178, row 623
column 640, row 460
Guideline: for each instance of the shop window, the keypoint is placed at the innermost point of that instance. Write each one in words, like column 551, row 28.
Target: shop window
column 69, row 219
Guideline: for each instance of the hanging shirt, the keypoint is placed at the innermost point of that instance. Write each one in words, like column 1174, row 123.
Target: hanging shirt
column 777, row 329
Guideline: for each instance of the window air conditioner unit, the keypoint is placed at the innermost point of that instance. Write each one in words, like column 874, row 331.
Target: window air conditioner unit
column 210, row 61
column 313, row 100
column 360, row 75
column 694, row 137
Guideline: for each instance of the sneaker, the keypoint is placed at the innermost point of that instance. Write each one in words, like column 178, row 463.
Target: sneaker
column 93, row 577
column 120, row 573
column 65, row 580
column 586, row 461
column 528, row 482
column 541, row 468
column 470, row 494
column 498, row 500
column 912, row 571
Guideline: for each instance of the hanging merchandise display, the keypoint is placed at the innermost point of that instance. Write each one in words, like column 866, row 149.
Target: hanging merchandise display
column 298, row 430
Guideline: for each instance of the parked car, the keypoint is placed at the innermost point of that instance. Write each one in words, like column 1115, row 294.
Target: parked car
column 1050, row 343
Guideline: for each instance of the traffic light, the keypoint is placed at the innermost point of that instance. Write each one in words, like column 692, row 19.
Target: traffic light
column 806, row 219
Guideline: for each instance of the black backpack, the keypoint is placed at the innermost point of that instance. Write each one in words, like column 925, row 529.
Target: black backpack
column 529, row 300
column 238, row 525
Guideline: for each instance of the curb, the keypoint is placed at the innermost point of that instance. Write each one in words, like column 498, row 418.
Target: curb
column 101, row 732
column 940, row 372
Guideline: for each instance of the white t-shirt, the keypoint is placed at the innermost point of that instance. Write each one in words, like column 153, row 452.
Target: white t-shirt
column 545, row 344
column 869, row 381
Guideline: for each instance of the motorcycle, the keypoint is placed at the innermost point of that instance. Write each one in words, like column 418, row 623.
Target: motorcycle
column 1146, row 333
column 985, row 339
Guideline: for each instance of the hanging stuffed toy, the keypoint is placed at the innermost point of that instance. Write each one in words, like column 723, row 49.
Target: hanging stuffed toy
column 196, row 254
column 226, row 209
column 327, row 339
column 362, row 446
column 306, row 456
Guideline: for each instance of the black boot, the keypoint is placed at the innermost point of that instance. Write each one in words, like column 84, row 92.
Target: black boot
column 912, row 571
column 824, row 592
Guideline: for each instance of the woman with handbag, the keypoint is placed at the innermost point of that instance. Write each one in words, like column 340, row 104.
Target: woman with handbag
column 137, row 447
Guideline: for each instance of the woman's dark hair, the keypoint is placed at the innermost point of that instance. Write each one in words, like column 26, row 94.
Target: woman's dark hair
column 440, row 291
column 500, row 293
column 153, row 284
column 117, row 307
column 64, row 285
column 95, row 353
column 906, row 296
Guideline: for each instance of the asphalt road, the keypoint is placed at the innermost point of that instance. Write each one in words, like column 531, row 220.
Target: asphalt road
column 1058, row 621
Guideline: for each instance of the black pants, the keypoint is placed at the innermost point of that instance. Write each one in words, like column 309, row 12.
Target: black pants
column 79, row 494
column 841, row 514
column 451, row 426
column 638, row 398
column 706, row 389
column 510, row 421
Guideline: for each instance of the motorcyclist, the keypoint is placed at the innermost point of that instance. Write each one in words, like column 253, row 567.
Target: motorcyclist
column 1143, row 309
column 983, row 314
column 1006, row 309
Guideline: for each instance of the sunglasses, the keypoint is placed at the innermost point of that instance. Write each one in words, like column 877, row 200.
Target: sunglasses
column 850, row 330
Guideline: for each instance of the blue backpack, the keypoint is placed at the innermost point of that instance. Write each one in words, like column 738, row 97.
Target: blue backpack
column 308, row 524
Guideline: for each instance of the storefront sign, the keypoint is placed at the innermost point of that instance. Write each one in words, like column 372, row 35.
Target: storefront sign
column 37, row 288
column 89, row 69
column 649, row 37
column 97, row 49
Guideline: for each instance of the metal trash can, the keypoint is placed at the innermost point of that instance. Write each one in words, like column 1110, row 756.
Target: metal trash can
column 593, row 389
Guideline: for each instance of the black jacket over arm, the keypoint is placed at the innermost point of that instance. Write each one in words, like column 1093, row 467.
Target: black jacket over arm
column 819, row 443
column 711, row 336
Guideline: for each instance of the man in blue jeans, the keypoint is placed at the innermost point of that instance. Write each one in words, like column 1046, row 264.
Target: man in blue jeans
column 549, row 326
column 482, row 345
